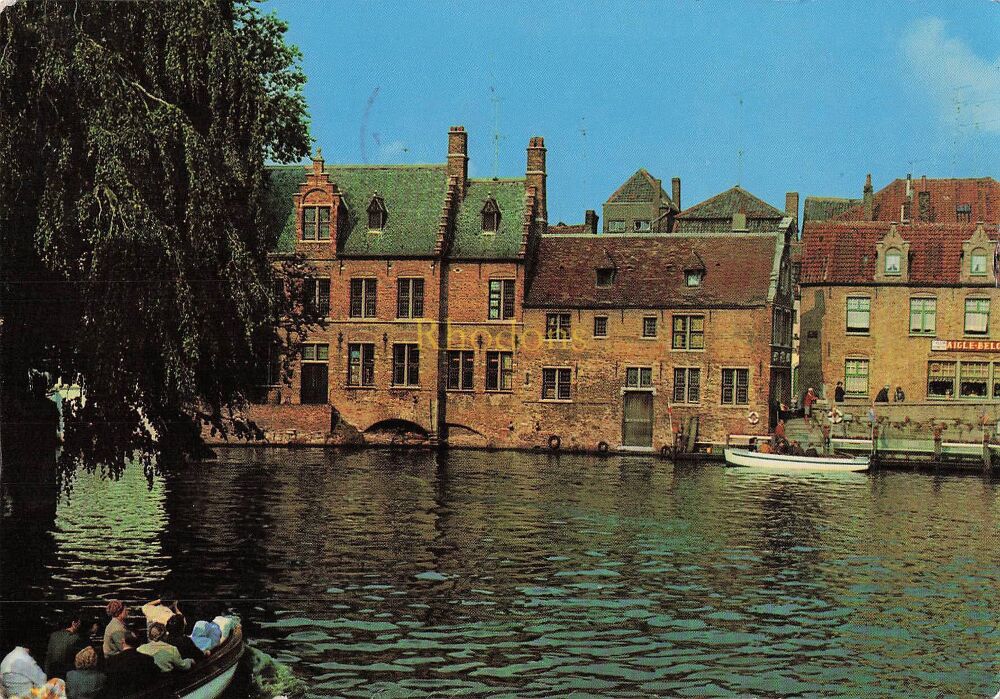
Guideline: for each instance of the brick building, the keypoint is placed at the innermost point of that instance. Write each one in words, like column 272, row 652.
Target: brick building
column 897, row 289
column 455, row 316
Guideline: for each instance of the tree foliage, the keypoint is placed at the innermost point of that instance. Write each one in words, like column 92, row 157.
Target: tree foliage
column 132, row 193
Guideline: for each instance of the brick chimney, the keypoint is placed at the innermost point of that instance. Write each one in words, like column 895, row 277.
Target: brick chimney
column 535, row 174
column 458, row 156
column 869, row 199
column 792, row 205
column 675, row 191
column 590, row 220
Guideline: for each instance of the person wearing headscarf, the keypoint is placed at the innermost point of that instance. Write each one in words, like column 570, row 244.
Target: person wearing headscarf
column 114, row 632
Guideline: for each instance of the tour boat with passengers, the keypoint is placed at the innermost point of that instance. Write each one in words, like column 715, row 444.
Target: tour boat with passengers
column 791, row 462
column 208, row 679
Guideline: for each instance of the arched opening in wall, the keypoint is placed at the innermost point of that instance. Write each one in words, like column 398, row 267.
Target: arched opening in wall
column 462, row 435
column 396, row 431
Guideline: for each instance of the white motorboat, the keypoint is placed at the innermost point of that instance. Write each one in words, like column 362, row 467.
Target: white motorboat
column 788, row 462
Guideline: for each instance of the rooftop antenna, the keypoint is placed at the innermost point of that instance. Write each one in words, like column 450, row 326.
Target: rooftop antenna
column 583, row 158
column 495, row 99
column 739, row 138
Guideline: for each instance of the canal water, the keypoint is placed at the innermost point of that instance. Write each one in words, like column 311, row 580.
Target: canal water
column 470, row 573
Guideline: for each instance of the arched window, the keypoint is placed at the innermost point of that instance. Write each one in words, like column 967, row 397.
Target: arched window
column 491, row 216
column 377, row 214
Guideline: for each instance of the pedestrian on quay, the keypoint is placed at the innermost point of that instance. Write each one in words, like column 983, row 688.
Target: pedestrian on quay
column 883, row 395
column 807, row 404
column 900, row 396
column 114, row 632
column 838, row 393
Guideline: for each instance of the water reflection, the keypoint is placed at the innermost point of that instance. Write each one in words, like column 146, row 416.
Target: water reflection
column 476, row 572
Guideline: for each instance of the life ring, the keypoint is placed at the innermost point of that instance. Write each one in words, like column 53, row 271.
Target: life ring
column 836, row 417
column 555, row 442
column 603, row 447
column 752, row 417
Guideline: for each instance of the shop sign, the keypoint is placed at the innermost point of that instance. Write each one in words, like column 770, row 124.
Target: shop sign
column 965, row 345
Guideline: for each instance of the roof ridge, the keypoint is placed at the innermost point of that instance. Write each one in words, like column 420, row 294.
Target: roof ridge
column 751, row 195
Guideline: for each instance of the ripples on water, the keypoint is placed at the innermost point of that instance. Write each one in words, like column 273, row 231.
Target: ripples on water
column 372, row 573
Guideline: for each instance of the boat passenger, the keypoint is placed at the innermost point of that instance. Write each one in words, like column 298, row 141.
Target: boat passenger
column 183, row 643
column 86, row 681
column 166, row 656
column 20, row 673
column 115, row 630
column 128, row 671
column 206, row 635
column 764, row 448
column 160, row 610
column 795, row 449
column 63, row 646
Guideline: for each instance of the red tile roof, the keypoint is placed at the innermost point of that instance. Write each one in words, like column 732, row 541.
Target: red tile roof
column 649, row 271
column 569, row 229
column 982, row 194
column 843, row 252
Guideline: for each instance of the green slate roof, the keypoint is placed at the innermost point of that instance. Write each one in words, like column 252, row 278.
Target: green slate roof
column 825, row 208
column 414, row 198
column 470, row 242
column 413, row 195
column 280, row 210
column 733, row 200
column 640, row 187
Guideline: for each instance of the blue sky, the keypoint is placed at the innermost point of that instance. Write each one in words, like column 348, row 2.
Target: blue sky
column 813, row 94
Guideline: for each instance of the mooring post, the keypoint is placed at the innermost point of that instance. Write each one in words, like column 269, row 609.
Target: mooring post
column 937, row 442
column 987, row 454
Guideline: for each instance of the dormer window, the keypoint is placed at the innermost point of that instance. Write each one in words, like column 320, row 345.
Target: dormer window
column 893, row 262
column 377, row 214
column 963, row 213
column 605, row 277
column 977, row 263
column 315, row 223
column 491, row 216
column 692, row 277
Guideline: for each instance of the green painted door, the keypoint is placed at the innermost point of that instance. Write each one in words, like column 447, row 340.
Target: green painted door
column 637, row 425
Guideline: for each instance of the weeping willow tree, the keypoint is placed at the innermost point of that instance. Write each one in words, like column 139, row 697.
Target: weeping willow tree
column 133, row 214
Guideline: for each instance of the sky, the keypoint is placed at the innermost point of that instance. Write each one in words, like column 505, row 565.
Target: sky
column 774, row 95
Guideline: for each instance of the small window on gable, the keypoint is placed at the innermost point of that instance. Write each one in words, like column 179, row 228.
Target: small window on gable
column 605, row 277
column 642, row 226
column 491, row 216
column 977, row 263
column 377, row 214
column 616, row 226
column 692, row 277
column 963, row 213
column 893, row 262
